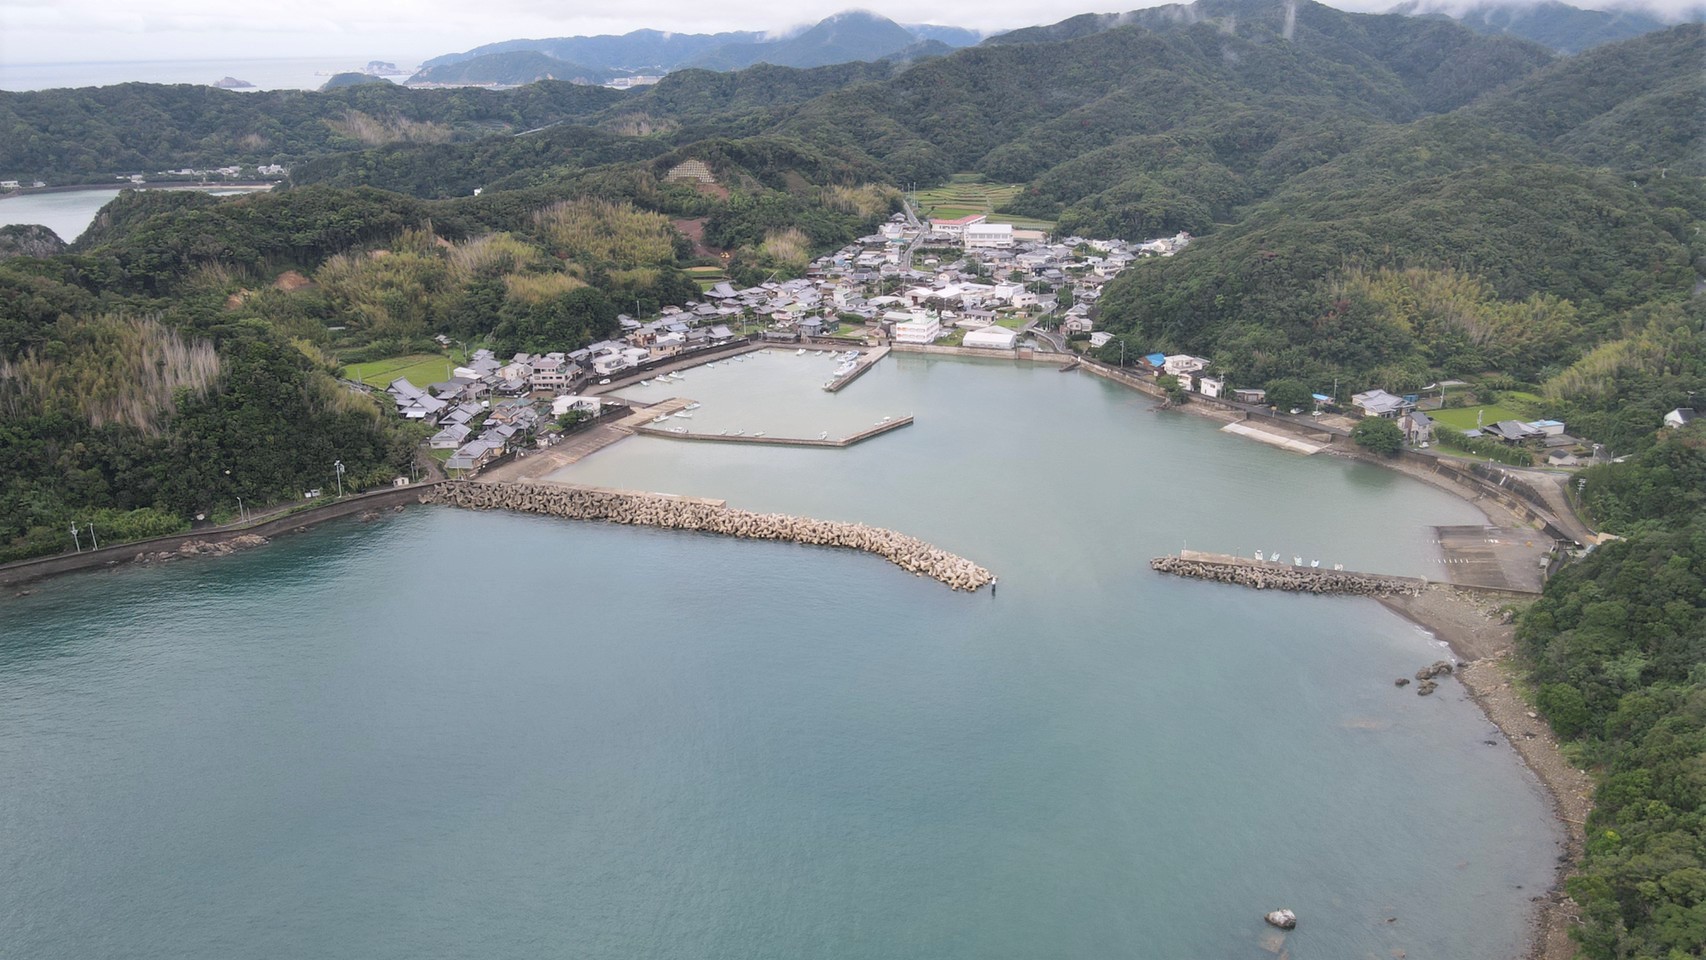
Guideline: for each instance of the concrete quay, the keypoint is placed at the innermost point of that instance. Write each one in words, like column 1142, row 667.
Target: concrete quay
column 712, row 516
column 865, row 362
column 1267, row 575
column 860, row 437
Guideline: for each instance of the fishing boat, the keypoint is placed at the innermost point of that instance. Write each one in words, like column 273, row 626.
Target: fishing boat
column 824, row 435
column 694, row 405
column 661, row 418
column 684, row 415
column 800, row 352
column 759, row 433
column 645, row 383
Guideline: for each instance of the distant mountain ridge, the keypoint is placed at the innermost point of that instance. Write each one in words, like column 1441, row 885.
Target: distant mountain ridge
column 1549, row 23
column 853, row 35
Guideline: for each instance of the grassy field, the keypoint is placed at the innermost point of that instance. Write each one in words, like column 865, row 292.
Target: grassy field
column 420, row 369
column 968, row 193
column 1463, row 418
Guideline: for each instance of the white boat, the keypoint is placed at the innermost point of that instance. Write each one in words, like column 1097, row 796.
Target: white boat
column 824, row 435
column 684, row 415
column 800, row 352
column 679, row 429
column 694, row 405
column 739, row 433
column 661, row 418
column 759, row 433
column 645, row 383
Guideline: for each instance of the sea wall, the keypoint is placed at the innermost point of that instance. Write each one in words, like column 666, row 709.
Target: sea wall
column 711, row 516
column 1275, row 576
column 213, row 540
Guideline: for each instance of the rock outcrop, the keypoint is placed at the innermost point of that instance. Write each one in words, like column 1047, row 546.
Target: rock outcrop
column 709, row 516
column 1284, row 919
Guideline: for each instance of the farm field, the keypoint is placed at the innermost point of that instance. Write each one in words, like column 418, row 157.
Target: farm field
column 966, row 194
column 1463, row 418
column 419, row 369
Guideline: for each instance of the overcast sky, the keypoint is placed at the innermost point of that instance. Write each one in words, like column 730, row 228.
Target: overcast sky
column 57, row 31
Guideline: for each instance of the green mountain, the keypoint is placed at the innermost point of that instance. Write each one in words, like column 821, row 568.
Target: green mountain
column 843, row 38
column 70, row 136
column 511, row 68
column 350, row 79
column 638, row 51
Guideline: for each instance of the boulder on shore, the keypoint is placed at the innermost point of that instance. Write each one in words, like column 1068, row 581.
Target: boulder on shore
column 1284, row 919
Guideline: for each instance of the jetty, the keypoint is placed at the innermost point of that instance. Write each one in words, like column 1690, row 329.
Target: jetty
column 1272, row 575
column 860, row 437
column 865, row 362
column 711, row 516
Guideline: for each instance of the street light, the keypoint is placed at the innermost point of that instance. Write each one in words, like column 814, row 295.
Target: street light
column 75, row 539
column 338, row 465
column 92, row 538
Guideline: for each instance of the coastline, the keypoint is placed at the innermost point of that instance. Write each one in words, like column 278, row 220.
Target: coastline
column 1472, row 625
column 1473, row 628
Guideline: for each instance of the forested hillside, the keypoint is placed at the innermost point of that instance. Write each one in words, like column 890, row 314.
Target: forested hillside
column 64, row 136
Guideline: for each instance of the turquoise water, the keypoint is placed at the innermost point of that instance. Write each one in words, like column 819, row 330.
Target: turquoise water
column 454, row 734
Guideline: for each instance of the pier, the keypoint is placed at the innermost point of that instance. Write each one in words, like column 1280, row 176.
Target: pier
column 712, row 516
column 865, row 362
column 860, row 437
column 1272, row 575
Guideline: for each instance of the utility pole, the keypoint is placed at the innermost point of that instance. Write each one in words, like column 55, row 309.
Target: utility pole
column 338, row 465
column 92, row 537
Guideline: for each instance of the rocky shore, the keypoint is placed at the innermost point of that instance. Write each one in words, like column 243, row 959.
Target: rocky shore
column 1265, row 576
column 708, row 516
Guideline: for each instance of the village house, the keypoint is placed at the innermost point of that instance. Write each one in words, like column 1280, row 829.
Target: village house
column 1379, row 403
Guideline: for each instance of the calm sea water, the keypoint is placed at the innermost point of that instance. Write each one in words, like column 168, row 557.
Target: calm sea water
column 275, row 74
column 454, row 734
column 69, row 212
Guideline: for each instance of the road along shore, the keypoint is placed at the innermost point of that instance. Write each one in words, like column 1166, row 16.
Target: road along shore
column 712, row 516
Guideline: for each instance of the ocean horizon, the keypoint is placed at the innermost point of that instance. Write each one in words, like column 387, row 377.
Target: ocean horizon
column 278, row 73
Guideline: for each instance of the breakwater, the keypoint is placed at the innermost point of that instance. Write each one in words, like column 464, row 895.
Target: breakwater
column 1263, row 575
column 859, row 437
column 712, row 516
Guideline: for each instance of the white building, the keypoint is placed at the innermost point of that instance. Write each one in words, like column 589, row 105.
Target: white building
column 587, row 405
column 920, row 328
column 988, row 236
column 1181, row 363
column 992, row 338
column 956, row 228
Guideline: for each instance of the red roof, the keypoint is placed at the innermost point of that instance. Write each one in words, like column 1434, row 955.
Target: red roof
column 964, row 221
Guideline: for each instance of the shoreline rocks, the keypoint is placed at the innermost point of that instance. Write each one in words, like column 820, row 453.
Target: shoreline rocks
column 707, row 516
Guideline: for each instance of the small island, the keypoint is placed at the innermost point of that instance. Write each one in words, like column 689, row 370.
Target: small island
column 232, row 83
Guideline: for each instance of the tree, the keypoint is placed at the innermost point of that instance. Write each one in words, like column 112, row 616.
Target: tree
column 1290, row 395
column 1170, row 383
column 1378, row 436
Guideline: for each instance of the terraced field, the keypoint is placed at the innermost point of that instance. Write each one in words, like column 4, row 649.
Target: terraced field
column 968, row 193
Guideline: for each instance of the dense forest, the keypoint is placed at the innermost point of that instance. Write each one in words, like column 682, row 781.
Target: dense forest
column 1618, row 652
